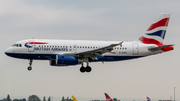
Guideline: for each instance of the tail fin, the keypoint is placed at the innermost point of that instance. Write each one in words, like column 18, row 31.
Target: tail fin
column 148, row 99
column 74, row 99
column 155, row 34
column 108, row 98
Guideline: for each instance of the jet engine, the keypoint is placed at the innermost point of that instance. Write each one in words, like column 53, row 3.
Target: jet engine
column 65, row 60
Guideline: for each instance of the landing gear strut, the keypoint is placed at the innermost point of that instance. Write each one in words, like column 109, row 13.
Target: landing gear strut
column 30, row 63
column 85, row 69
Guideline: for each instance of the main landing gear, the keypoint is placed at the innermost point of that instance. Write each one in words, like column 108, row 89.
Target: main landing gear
column 85, row 69
column 30, row 63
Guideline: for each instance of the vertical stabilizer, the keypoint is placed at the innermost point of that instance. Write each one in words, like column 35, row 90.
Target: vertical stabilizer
column 74, row 99
column 108, row 98
column 155, row 34
column 148, row 99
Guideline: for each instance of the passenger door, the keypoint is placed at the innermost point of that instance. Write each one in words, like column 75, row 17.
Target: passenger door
column 135, row 49
column 31, row 46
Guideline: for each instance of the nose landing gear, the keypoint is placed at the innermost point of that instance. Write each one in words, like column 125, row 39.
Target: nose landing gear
column 30, row 63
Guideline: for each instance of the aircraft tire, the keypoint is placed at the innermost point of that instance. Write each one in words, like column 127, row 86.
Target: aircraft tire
column 82, row 69
column 88, row 69
column 29, row 68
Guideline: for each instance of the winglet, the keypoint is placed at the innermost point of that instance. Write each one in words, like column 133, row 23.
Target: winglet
column 74, row 99
column 108, row 98
column 121, row 43
column 117, row 44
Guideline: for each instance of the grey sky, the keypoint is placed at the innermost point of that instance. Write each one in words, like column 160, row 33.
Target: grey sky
column 153, row 76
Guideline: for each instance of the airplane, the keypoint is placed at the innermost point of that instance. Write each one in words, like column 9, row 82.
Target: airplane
column 74, row 99
column 148, row 99
column 83, row 52
column 108, row 98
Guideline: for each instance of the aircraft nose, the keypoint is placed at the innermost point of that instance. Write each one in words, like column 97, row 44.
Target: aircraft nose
column 7, row 51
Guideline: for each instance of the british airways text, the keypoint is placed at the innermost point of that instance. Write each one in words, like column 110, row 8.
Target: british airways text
column 49, row 49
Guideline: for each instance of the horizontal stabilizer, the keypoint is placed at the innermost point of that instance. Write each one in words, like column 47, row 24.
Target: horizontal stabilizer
column 164, row 48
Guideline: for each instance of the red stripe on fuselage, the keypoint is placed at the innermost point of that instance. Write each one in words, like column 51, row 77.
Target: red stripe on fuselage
column 163, row 22
column 36, row 43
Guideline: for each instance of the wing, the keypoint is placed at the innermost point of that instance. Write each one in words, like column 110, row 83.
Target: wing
column 95, row 52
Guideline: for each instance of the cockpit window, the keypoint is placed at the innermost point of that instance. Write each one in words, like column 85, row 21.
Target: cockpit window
column 16, row 45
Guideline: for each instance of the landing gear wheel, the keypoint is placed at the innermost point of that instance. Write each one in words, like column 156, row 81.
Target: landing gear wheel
column 29, row 68
column 88, row 69
column 30, row 63
column 82, row 69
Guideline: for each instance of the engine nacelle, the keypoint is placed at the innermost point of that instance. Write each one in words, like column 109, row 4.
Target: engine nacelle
column 65, row 60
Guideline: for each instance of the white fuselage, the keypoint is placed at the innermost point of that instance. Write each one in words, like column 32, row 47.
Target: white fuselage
column 44, row 47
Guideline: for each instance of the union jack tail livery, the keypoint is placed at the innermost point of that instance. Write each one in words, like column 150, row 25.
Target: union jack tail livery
column 148, row 99
column 155, row 34
column 108, row 98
